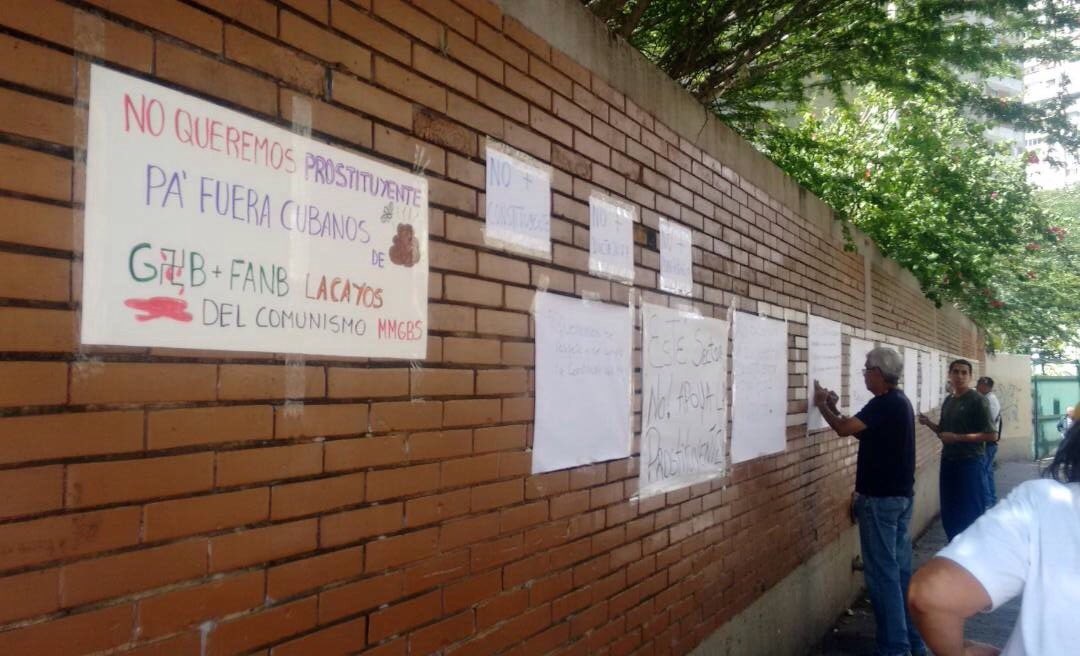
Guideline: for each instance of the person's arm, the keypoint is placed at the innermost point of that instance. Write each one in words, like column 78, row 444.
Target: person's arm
column 941, row 597
column 963, row 580
column 925, row 421
column 825, row 401
column 959, row 438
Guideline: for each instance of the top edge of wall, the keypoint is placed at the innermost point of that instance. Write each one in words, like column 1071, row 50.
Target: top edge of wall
column 570, row 27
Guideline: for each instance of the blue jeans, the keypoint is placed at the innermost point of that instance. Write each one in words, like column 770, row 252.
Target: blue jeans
column 963, row 493
column 991, row 493
column 886, row 553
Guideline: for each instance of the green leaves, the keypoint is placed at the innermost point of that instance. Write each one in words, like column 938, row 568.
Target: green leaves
column 922, row 181
column 754, row 61
column 881, row 108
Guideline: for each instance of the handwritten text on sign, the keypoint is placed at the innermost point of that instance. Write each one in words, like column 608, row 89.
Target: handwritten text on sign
column 518, row 204
column 824, row 342
column 208, row 229
column 583, row 382
column 676, row 265
column 611, row 238
column 684, row 397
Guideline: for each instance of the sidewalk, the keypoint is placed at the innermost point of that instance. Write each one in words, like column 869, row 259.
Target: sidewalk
column 853, row 633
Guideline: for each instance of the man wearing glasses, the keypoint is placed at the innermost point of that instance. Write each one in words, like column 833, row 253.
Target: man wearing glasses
column 965, row 430
column 884, row 489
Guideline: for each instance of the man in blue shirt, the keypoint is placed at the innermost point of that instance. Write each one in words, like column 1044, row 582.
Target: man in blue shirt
column 884, row 487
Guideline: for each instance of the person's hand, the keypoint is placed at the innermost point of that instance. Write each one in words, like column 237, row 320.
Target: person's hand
column 972, row 648
column 833, row 399
column 924, row 420
column 948, row 437
column 821, row 394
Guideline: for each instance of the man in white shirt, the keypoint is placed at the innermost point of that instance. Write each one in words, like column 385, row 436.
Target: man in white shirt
column 985, row 386
column 1030, row 544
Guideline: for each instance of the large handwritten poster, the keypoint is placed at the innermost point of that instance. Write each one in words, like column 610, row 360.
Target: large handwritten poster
column 611, row 238
column 759, row 387
column 684, row 399
column 208, row 229
column 518, row 202
column 858, row 395
column 676, row 259
column 824, row 355
column 911, row 376
column 583, row 382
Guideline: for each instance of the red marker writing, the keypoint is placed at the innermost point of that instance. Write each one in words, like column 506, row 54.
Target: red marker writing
column 159, row 307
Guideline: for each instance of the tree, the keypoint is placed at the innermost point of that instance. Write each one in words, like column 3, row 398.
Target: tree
column 920, row 179
column 879, row 108
column 755, row 61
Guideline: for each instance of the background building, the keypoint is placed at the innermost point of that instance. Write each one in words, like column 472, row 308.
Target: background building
column 1043, row 81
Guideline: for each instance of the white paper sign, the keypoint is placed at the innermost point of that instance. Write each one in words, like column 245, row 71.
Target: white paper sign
column 518, row 204
column 208, row 229
column 676, row 261
column 611, row 238
column 858, row 395
column 759, row 387
column 583, row 382
column 925, row 390
column 683, row 397
column 824, row 355
column 911, row 376
column 940, row 377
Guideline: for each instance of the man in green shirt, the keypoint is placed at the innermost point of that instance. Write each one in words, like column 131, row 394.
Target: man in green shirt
column 964, row 431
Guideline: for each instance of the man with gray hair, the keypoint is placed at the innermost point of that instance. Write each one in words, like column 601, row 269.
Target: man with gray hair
column 884, row 491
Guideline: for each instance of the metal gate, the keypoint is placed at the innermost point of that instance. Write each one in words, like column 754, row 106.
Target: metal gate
column 1052, row 395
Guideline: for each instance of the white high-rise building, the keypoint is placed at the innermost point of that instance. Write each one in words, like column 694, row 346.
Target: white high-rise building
column 1043, row 81
column 1007, row 88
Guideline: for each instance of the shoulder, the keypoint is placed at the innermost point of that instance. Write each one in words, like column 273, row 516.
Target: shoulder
column 1046, row 490
column 1046, row 500
column 894, row 398
column 974, row 399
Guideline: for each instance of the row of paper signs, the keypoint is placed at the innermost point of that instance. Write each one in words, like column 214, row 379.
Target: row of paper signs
column 518, row 213
column 584, row 387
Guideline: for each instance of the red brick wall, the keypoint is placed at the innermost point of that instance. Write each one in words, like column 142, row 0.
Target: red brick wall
column 157, row 501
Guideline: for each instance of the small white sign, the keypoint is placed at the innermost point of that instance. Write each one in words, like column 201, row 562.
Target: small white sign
column 518, row 204
column 911, row 376
column 583, row 382
column 676, row 261
column 937, row 378
column 858, row 395
column 209, row 229
column 926, row 394
column 611, row 238
column 824, row 350
column 683, row 397
column 759, row 387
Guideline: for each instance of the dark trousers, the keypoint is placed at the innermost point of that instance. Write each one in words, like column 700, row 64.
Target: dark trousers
column 991, row 492
column 886, row 553
column 963, row 493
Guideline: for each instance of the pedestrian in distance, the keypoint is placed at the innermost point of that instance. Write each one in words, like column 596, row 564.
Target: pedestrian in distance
column 1066, row 422
column 964, row 430
column 1028, row 544
column 884, row 488
column 985, row 386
